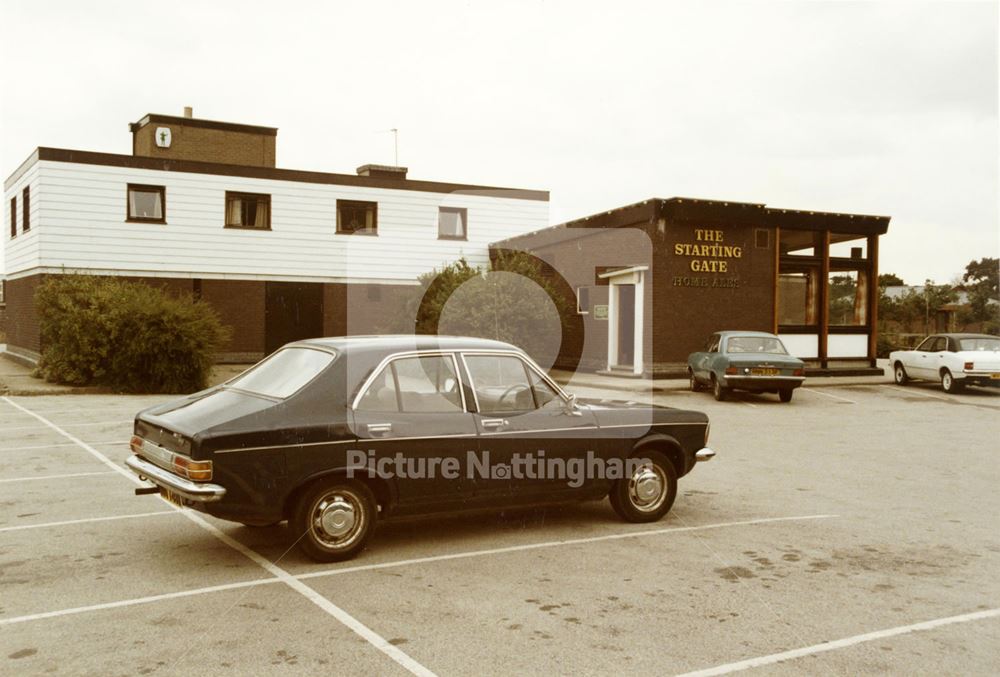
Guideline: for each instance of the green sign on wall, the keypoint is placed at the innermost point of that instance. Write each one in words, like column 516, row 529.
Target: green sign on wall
column 601, row 312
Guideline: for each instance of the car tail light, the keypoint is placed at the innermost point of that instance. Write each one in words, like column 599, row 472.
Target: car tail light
column 730, row 371
column 200, row 471
column 799, row 372
column 968, row 366
column 135, row 444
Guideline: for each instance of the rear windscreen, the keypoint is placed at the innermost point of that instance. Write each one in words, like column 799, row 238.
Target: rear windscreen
column 283, row 373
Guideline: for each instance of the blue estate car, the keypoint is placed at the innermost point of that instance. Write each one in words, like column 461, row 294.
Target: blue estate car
column 745, row 360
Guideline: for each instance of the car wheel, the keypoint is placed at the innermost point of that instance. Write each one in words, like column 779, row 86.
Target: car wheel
column 333, row 519
column 899, row 374
column 693, row 382
column 949, row 383
column 785, row 395
column 649, row 492
column 718, row 390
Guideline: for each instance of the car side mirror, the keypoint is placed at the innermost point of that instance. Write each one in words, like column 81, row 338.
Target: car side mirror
column 571, row 408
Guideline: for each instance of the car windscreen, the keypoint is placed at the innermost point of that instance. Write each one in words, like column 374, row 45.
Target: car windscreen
column 979, row 344
column 755, row 344
column 283, row 373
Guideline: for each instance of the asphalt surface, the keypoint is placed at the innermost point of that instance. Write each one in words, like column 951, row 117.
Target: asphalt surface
column 852, row 531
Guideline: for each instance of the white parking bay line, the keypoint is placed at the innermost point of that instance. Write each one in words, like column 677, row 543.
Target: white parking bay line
column 56, row 477
column 68, row 425
column 553, row 544
column 397, row 563
column 830, row 395
column 86, row 520
column 60, row 444
column 400, row 657
column 917, row 391
column 729, row 668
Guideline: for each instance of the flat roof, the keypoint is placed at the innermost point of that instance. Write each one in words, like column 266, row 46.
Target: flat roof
column 150, row 118
column 83, row 157
column 694, row 209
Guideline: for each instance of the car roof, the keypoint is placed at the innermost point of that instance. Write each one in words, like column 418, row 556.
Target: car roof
column 734, row 332
column 968, row 336
column 395, row 343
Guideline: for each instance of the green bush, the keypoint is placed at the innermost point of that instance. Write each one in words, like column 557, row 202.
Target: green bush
column 125, row 335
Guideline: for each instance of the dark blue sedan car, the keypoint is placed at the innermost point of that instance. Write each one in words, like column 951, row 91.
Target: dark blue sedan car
column 754, row 361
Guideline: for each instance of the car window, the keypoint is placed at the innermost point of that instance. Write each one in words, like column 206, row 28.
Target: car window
column 979, row 344
column 283, row 373
column 501, row 383
column 424, row 384
column 927, row 344
column 940, row 345
column 713, row 344
column 755, row 344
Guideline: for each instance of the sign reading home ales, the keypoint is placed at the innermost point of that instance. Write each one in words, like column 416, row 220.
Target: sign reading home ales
column 709, row 253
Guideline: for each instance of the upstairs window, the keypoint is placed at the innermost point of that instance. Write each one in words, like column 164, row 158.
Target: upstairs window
column 452, row 222
column 248, row 210
column 355, row 217
column 146, row 204
column 25, row 207
column 13, row 217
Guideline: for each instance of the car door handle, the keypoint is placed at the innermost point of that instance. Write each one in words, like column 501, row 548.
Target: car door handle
column 379, row 428
column 494, row 422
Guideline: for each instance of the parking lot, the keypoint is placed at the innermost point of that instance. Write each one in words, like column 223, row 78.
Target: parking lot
column 854, row 530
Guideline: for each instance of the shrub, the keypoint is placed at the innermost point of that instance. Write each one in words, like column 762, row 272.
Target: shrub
column 125, row 335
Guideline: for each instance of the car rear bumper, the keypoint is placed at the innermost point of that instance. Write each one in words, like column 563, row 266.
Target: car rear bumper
column 763, row 382
column 199, row 492
column 984, row 379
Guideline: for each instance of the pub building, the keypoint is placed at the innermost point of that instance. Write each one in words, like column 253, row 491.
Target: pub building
column 653, row 280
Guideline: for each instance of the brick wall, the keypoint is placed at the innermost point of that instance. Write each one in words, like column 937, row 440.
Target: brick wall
column 207, row 145
column 240, row 304
column 21, row 321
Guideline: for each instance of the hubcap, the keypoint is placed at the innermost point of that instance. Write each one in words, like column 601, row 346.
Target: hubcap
column 647, row 488
column 336, row 519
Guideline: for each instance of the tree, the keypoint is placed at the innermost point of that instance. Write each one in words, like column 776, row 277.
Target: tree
column 518, row 301
column 890, row 280
column 982, row 280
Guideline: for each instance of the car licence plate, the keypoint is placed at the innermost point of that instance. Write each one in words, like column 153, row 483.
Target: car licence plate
column 995, row 377
column 760, row 371
column 171, row 497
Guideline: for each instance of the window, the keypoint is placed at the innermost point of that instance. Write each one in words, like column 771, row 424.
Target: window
column 25, row 207
column 248, row 210
column 798, row 297
column 283, row 373
column 415, row 384
column 13, row 217
column 848, row 298
column 146, row 204
column 357, row 218
column 504, row 384
column 713, row 344
column 755, row 344
column 583, row 300
column 927, row 344
column 452, row 222
column 979, row 344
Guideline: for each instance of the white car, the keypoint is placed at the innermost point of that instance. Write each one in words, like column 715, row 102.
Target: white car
column 957, row 360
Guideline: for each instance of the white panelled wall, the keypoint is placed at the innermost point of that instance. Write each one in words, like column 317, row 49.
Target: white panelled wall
column 79, row 223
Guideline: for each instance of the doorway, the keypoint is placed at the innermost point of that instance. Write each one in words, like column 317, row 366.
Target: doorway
column 292, row 311
column 626, row 325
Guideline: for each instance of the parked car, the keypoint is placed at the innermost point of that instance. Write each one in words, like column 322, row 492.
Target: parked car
column 956, row 360
column 754, row 361
column 287, row 439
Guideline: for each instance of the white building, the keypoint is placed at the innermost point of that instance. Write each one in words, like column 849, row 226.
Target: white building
column 281, row 254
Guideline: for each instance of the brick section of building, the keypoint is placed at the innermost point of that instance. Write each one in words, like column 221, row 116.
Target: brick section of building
column 22, row 322
column 240, row 305
column 205, row 141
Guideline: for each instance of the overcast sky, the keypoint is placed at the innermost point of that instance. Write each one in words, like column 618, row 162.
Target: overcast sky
column 879, row 108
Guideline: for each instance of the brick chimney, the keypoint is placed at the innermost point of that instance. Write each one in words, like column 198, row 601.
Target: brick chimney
column 188, row 138
column 382, row 171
